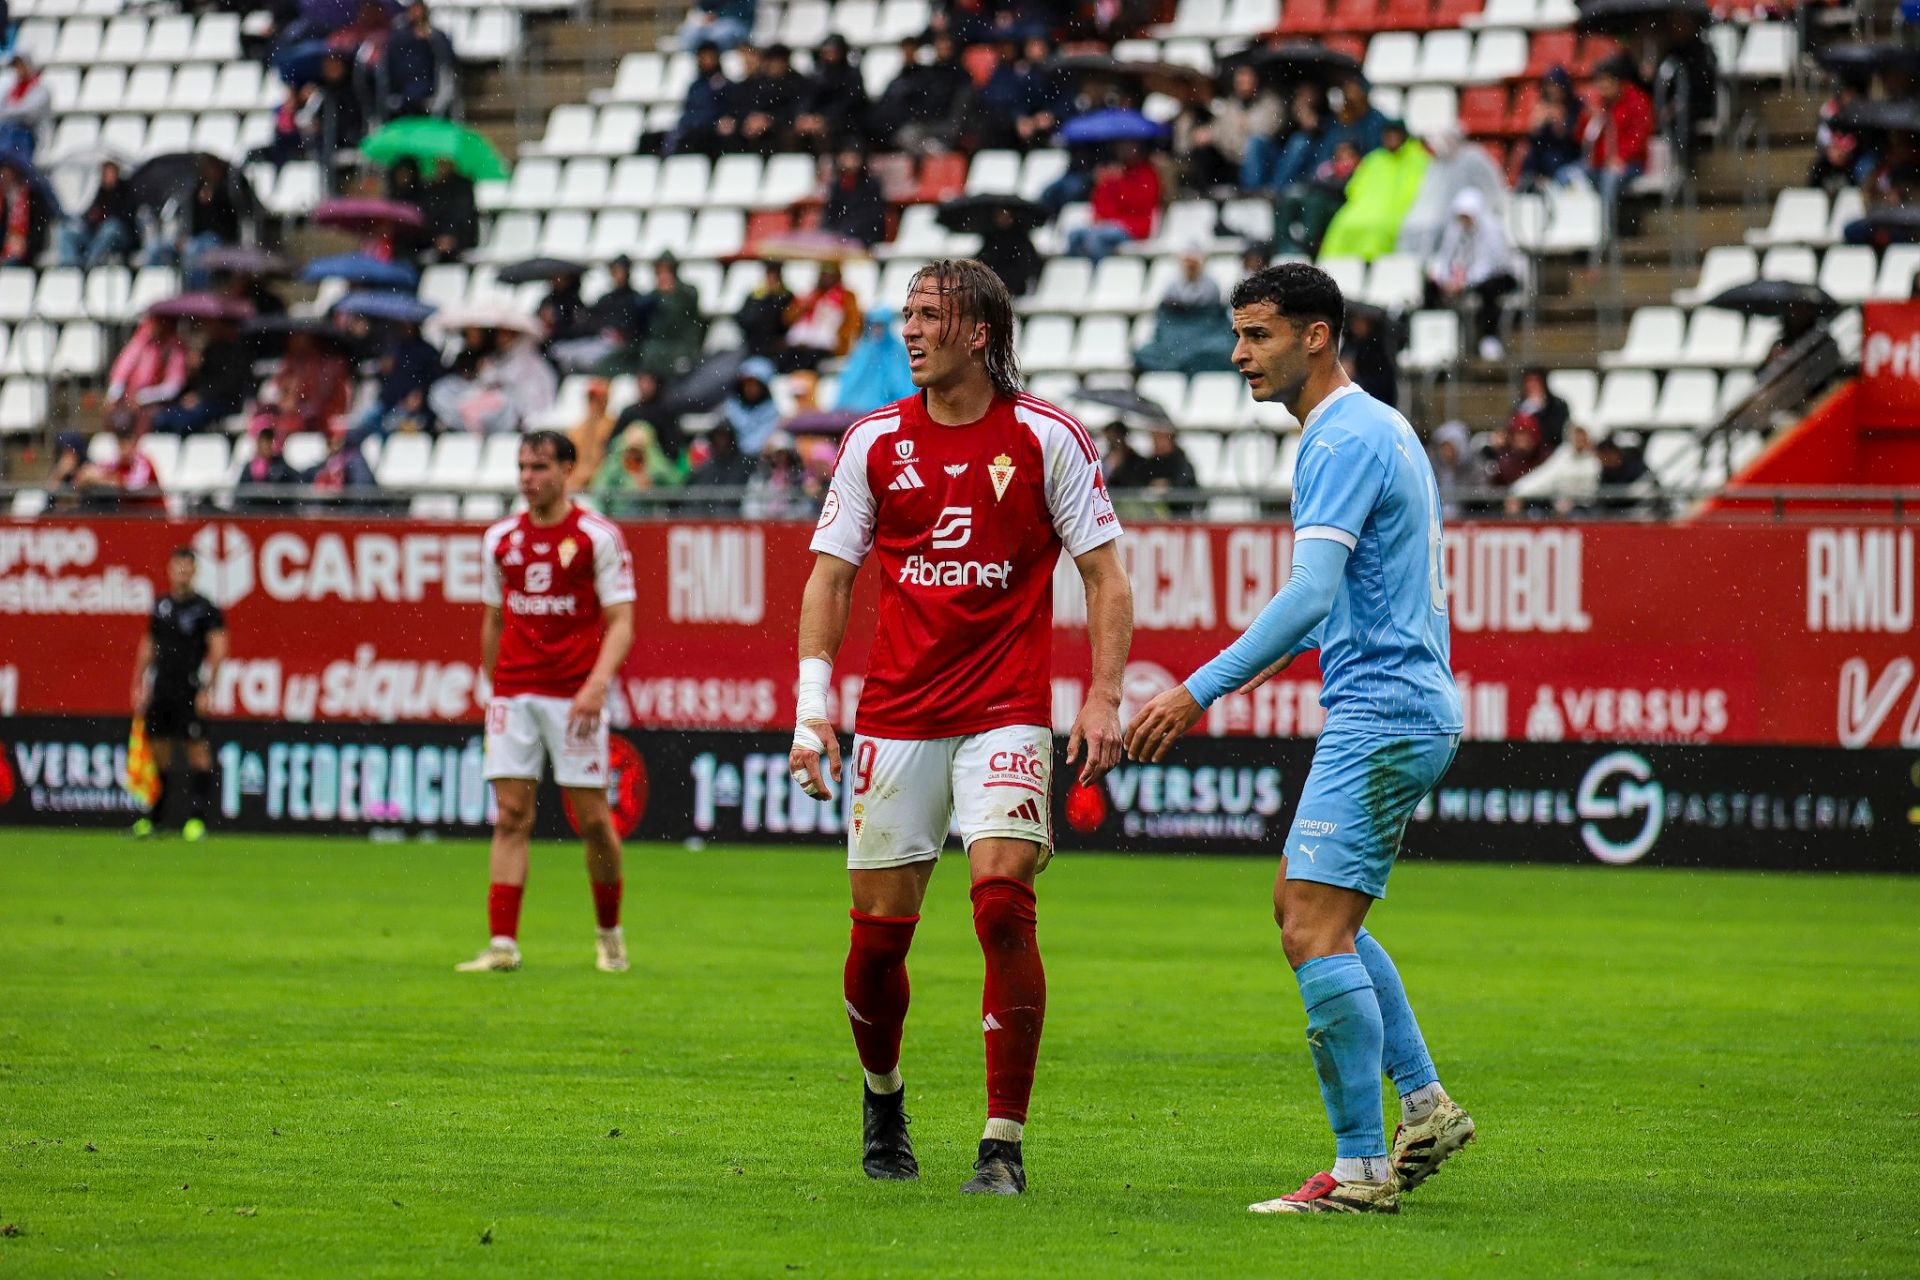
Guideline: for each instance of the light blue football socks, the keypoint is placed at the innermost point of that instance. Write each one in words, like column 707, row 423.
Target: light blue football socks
column 1404, row 1053
column 1344, row 1033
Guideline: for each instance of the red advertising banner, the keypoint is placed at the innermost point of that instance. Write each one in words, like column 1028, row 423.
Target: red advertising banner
column 1780, row 635
column 1890, row 365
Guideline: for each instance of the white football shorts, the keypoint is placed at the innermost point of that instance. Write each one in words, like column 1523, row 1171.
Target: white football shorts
column 526, row 730
column 908, row 794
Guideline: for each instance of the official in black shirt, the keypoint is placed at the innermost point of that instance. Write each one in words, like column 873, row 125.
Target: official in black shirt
column 185, row 632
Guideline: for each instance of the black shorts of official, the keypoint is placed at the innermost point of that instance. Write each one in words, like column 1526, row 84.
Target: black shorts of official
column 175, row 718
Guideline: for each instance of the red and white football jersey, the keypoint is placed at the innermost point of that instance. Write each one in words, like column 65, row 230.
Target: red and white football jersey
column 550, row 583
column 968, row 523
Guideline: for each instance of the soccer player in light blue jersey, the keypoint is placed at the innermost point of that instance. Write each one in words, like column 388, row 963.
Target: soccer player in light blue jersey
column 1367, row 591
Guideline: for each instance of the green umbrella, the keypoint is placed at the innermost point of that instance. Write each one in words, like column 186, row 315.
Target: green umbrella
column 425, row 138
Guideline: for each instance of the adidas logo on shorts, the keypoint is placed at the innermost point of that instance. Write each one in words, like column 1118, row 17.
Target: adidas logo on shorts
column 1027, row 811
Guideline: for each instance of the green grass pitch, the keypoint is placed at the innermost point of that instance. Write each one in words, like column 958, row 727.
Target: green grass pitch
column 252, row 1057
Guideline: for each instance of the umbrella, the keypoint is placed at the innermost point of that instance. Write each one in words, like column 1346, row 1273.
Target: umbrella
column 1110, row 125
column 483, row 315
column 981, row 214
column 425, row 138
column 379, row 304
column 299, row 63
column 1899, row 224
column 361, row 271
column 270, row 333
column 1859, row 61
column 1295, row 62
column 1131, row 404
column 175, row 175
column 1776, row 298
column 808, row 246
column 36, row 181
column 1188, row 84
column 368, row 215
column 1890, row 114
column 202, row 306
column 705, row 388
column 245, row 262
column 824, row 422
column 540, row 269
column 1628, row 17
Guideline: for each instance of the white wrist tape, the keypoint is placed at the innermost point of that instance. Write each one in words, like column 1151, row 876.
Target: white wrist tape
column 811, row 700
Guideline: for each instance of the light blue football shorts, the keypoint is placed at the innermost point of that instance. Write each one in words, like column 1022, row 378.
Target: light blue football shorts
column 1354, row 809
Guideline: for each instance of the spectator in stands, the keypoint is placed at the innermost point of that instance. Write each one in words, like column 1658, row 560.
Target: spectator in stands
column 1509, row 452
column 876, row 372
column 751, row 410
column 1379, row 195
column 649, row 408
column 1553, row 134
column 296, row 127
column 1616, row 130
column 1007, row 249
column 1686, row 82
column 833, row 109
column 255, row 292
column 127, row 479
column 639, row 465
column 150, row 371
column 1023, row 101
column 105, row 230
column 590, row 436
column 1356, row 119
column 822, row 323
column 499, row 382
column 1190, row 329
column 725, row 467
column 312, row 387
column 207, row 218
column 709, row 98
column 1623, row 464
column 1474, row 269
column 344, row 469
column 26, row 109
column 766, row 102
column 408, row 367
column 1303, row 140
column 678, row 332
column 1167, row 469
column 618, row 318
column 1370, row 352
column 452, row 216
column 927, row 106
column 419, row 72
column 1457, row 165
column 721, row 24
column 23, row 222
column 219, row 380
column 1126, row 202
column 1233, row 143
column 1567, row 478
column 762, row 318
column 342, row 113
column 856, row 206
column 1839, row 159
column 1455, row 471
column 780, row 487
column 1545, row 413
column 1119, row 460
column 562, row 313
column 268, row 468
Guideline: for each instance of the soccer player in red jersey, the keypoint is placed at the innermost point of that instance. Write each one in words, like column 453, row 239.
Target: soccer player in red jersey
column 558, row 590
column 965, row 494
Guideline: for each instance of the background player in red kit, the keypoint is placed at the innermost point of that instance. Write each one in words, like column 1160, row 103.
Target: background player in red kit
column 558, row 587
column 965, row 494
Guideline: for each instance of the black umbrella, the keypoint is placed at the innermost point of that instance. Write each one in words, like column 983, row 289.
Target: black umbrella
column 1131, row 404
column 1630, row 17
column 705, row 389
column 540, row 269
column 980, row 215
column 36, row 183
column 1176, row 80
column 175, row 176
column 1859, row 61
column 1294, row 63
column 270, row 333
column 1776, row 298
column 1897, row 225
column 1886, row 114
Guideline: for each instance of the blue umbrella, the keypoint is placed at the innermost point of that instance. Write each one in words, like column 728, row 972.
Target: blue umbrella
column 402, row 308
column 1110, row 125
column 299, row 64
column 361, row 271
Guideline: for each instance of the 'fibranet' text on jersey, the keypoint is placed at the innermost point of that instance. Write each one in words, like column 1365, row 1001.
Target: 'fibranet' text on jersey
column 550, row 583
column 967, row 522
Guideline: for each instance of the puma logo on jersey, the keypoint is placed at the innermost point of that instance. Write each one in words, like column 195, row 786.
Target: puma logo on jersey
column 907, row 479
column 956, row 468
column 1308, row 851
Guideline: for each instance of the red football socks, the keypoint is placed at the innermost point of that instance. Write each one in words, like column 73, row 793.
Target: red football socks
column 606, row 902
column 503, row 909
column 876, row 987
column 1013, row 1004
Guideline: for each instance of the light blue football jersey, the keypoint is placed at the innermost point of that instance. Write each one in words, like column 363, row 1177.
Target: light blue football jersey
column 1363, row 479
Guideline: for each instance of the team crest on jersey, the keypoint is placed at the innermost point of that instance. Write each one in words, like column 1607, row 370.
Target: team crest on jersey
column 1002, row 473
column 859, row 823
column 829, row 509
column 568, row 548
column 903, row 450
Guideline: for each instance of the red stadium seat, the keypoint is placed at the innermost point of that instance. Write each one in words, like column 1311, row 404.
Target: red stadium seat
column 1483, row 110
column 1354, row 47
column 1356, row 15
column 1594, row 50
column 980, row 60
column 1407, row 15
column 1551, row 49
column 1305, row 17
column 1450, row 13
column 765, row 223
column 1525, row 98
column 942, row 177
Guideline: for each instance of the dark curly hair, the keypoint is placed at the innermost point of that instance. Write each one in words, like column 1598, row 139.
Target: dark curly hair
column 1299, row 291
